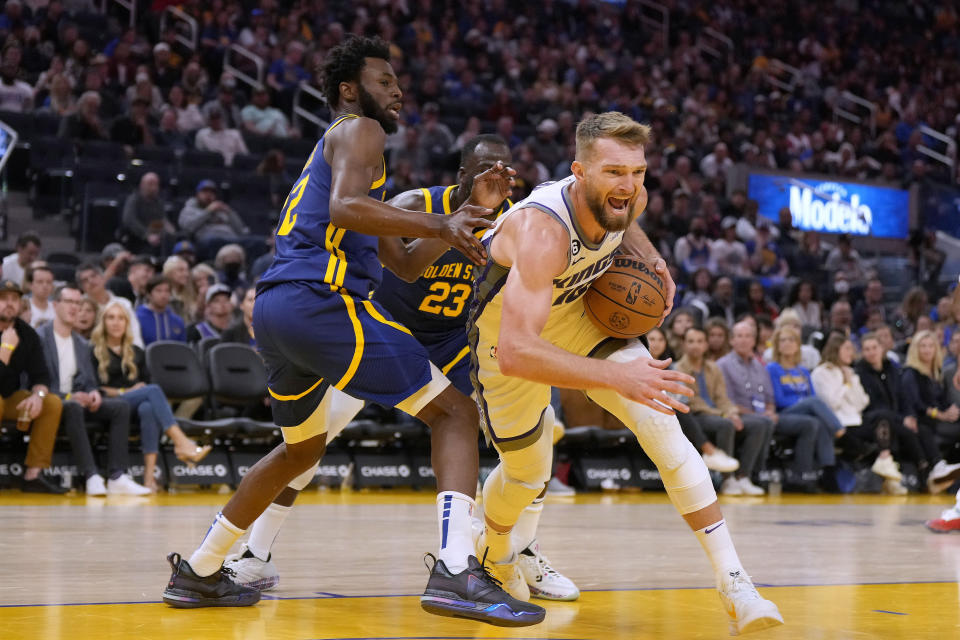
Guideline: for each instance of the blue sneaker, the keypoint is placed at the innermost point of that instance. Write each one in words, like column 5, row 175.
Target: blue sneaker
column 187, row 590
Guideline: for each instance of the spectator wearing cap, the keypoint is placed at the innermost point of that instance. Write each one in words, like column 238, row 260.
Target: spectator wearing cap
column 144, row 217
column 164, row 74
column 144, row 89
column 217, row 314
column 91, row 280
column 185, row 249
column 209, row 221
column 133, row 285
column 40, row 278
column 544, row 144
column 217, row 137
column 157, row 319
column 21, row 357
column 242, row 330
column 261, row 119
column 730, row 254
column 27, row 251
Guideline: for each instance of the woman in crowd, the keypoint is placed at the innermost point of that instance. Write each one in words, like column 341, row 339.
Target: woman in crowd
column 803, row 300
column 86, row 317
column 718, row 338
column 699, row 290
column 203, row 277
column 758, row 302
column 925, row 406
column 913, row 306
column 680, row 321
column 793, row 392
column 809, row 356
column 657, row 344
column 122, row 370
column 183, row 295
column 839, row 386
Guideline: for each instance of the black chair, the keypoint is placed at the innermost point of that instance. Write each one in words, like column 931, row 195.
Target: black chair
column 238, row 379
column 151, row 153
column 46, row 124
column 103, row 151
column 205, row 345
column 244, row 162
column 194, row 158
column 22, row 123
column 64, row 258
column 100, row 214
column 52, row 162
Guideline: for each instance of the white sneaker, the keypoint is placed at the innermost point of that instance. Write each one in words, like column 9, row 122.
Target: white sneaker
column 507, row 572
column 748, row 610
column 942, row 476
column 748, row 488
column 886, row 467
column 252, row 571
column 893, row 487
column 731, row 487
column 126, row 486
column 556, row 488
column 96, row 486
column 720, row 461
column 544, row 581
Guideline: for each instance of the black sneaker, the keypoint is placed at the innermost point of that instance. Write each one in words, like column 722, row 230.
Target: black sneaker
column 187, row 590
column 477, row 595
column 42, row 485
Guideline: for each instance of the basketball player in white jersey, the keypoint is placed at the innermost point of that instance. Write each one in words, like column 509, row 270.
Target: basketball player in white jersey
column 528, row 332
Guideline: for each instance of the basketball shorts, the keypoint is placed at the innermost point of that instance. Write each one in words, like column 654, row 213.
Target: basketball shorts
column 451, row 353
column 312, row 338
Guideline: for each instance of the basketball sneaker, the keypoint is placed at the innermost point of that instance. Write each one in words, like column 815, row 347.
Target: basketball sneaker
column 748, row 610
column 187, row 590
column 544, row 581
column 948, row 521
column 252, row 571
column 476, row 594
column 720, row 461
column 942, row 476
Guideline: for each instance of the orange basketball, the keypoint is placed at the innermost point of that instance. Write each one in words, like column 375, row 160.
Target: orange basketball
column 628, row 299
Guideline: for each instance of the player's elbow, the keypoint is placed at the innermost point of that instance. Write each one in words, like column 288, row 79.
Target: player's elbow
column 509, row 359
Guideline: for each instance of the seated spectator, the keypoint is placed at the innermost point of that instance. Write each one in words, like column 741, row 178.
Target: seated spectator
column 758, row 302
column 793, row 393
column 183, row 295
column 242, row 331
column 186, row 109
column 162, row 71
column 121, row 370
column 809, row 356
column 839, row 386
column 698, row 293
column 924, row 400
column 953, row 352
column 841, row 318
column 718, row 338
column 905, row 318
column 225, row 103
column 678, row 323
column 203, row 277
column 145, row 218
column 216, row 137
column 657, row 344
column 133, row 285
column 185, row 249
column 156, row 319
column 85, row 122
column 751, row 390
column 722, row 304
column 92, row 282
column 730, row 254
column 434, row 137
column 41, row 288
column 217, row 313
column 136, row 126
column 231, row 264
column 21, row 355
column 803, row 300
column 717, row 415
column 765, row 258
column 885, row 335
column 210, row 222
column 87, row 317
column 60, row 101
column 693, row 251
column 262, row 119
column 68, row 358
column 870, row 302
column 274, row 167
column 845, row 261
column 286, row 74
column 27, row 251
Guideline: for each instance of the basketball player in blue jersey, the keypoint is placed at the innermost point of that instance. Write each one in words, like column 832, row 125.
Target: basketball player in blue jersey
column 433, row 304
column 528, row 331
column 316, row 328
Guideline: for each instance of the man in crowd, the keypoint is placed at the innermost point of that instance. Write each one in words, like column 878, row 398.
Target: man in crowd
column 27, row 251
column 93, row 283
column 217, row 137
column 217, row 314
column 211, row 223
column 144, row 216
column 157, row 319
column 40, row 279
column 263, row 120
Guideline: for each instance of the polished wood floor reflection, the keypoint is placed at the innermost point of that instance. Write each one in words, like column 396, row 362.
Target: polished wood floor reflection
column 858, row 567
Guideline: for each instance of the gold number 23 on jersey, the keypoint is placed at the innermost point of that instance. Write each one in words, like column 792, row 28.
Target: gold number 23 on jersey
column 437, row 303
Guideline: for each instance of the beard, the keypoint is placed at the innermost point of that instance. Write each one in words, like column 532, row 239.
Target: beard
column 370, row 109
column 610, row 222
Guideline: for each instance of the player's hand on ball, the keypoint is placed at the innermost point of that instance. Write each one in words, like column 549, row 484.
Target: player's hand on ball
column 650, row 383
column 458, row 229
column 493, row 186
column 664, row 272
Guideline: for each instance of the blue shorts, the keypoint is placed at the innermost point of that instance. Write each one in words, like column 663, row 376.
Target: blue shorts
column 451, row 354
column 311, row 338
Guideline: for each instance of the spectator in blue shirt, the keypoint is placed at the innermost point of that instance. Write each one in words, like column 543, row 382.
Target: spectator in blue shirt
column 157, row 319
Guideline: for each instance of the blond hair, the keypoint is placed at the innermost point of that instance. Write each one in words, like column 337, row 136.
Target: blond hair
column 913, row 355
column 98, row 338
column 777, row 356
column 611, row 124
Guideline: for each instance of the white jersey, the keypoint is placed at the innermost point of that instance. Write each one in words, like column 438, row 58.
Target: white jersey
column 586, row 261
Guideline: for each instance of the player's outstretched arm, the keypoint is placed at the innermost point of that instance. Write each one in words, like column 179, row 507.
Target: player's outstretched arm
column 354, row 151
column 536, row 248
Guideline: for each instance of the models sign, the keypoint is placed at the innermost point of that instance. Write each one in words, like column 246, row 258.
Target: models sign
column 833, row 207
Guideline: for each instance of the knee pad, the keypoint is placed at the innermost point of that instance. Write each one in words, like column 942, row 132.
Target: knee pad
column 302, row 481
column 552, row 425
column 340, row 411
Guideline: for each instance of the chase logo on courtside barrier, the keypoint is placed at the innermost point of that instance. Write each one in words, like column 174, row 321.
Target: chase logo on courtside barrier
column 832, row 206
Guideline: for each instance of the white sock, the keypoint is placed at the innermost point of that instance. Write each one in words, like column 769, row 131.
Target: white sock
column 221, row 535
column 454, row 512
column 525, row 531
column 715, row 540
column 265, row 530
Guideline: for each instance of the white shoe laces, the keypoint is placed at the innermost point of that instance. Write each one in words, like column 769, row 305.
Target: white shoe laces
column 741, row 586
column 543, row 563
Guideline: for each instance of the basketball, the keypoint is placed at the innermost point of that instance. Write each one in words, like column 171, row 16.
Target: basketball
column 628, row 299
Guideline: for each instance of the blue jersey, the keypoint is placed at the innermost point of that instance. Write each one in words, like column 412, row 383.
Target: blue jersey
column 439, row 301
column 309, row 247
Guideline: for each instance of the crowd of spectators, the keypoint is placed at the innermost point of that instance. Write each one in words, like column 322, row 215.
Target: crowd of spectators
column 529, row 72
